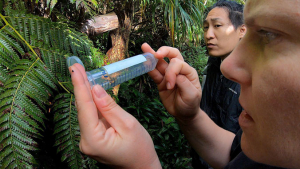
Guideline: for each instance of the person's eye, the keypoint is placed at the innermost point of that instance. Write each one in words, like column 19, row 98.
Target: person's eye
column 218, row 26
column 205, row 28
column 267, row 36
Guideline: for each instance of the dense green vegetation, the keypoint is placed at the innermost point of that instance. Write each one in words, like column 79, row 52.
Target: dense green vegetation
column 38, row 117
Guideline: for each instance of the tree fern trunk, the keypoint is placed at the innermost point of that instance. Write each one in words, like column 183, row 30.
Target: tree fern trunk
column 120, row 36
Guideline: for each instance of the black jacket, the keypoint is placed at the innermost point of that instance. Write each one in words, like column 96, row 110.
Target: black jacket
column 220, row 101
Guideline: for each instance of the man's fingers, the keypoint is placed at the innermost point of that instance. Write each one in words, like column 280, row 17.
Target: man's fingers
column 176, row 67
column 118, row 118
column 156, row 76
column 147, row 49
column 168, row 52
column 163, row 52
column 185, row 86
column 87, row 111
column 159, row 71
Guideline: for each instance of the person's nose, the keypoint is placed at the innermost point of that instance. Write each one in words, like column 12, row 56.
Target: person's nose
column 209, row 34
column 237, row 66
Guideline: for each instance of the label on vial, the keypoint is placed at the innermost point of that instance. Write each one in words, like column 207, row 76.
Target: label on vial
column 123, row 64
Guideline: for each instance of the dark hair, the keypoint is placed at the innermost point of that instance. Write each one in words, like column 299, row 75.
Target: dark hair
column 235, row 11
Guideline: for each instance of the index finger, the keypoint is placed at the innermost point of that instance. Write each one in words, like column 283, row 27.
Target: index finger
column 178, row 67
column 87, row 111
column 168, row 52
column 158, row 73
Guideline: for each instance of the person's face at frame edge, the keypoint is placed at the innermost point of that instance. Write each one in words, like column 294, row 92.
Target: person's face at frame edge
column 220, row 35
column 266, row 65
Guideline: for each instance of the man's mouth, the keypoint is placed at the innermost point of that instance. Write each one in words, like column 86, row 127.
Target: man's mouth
column 245, row 119
column 210, row 45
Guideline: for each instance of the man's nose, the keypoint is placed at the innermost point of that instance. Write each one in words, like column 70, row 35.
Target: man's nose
column 209, row 34
column 235, row 66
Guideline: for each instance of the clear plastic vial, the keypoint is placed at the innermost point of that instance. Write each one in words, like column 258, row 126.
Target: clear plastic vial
column 116, row 73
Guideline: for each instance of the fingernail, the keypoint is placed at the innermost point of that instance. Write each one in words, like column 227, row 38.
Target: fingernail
column 99, row 91
column 168, row 85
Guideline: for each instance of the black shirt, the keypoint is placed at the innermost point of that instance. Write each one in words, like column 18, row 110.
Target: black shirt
column 220, row 100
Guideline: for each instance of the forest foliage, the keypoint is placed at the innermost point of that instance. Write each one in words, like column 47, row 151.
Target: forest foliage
column 38, row 117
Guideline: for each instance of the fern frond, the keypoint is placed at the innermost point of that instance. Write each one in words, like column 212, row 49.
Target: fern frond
column 38, row 29
column 4, row 61
column 22, row 111
column 25, row 29
column 91, row 163
column 3, row 74
column 69, row 86
column 45, row 34
column 12, row 43
column 54, row 41
column 33, row 52
column 67, row 130
column 8, row 49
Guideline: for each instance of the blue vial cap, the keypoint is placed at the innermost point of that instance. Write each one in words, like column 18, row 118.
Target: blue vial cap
column 72, row 60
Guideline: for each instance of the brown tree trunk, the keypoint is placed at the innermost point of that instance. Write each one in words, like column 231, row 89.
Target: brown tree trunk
column 119, row 24
column 120, row 36
column 100, row 24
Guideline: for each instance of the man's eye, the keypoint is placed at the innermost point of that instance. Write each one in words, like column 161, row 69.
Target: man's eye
column 205, row 27
column 267, row 36
column 218, row 26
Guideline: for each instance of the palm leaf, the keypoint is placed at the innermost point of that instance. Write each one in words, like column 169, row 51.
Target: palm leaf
column 184, row 18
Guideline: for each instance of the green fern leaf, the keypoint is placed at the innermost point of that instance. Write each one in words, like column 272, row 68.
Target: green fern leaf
column 3, row 62
column 31, row 26
column 12, row 43
column 67, row 131
column 6, row 142
column 25, row 29
column 8, row 49
column 22, row 117
column 38, row 29
column 44, row 26
column 32, row 65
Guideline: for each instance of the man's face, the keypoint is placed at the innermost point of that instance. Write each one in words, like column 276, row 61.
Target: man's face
column 266, row 63
column 220, row 35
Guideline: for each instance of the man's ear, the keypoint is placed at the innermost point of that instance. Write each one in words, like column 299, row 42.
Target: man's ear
column 242, row 30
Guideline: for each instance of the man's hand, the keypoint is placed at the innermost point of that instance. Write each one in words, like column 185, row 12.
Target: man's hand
column 180, row 91
column 108, row 133
column 177, row 82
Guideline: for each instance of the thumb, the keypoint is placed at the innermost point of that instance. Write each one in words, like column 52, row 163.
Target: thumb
column 117, row 117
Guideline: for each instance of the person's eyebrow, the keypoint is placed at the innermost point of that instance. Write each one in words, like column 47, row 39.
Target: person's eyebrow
column 215, row 19
column 254, row 18
column 251, row 20
column 212, row 19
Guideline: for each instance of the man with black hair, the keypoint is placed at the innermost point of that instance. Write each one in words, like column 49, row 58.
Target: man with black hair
column 223, row 28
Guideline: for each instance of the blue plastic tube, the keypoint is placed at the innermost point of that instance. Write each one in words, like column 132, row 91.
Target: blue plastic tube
column 116, row 73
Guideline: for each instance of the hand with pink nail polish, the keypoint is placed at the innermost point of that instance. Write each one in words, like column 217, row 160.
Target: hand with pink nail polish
column 177, row 82
column 108, row 133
